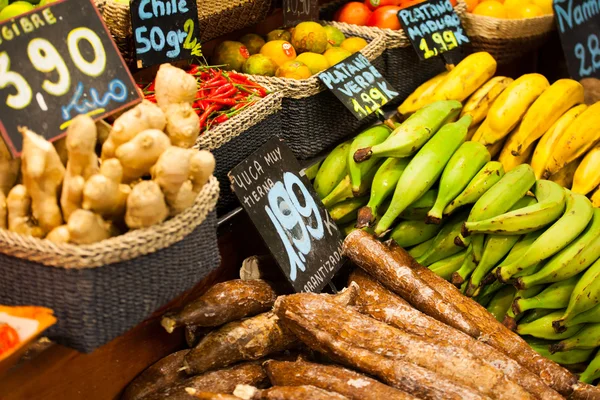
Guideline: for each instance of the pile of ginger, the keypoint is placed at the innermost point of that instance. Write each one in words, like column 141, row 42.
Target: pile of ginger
column 145, row 173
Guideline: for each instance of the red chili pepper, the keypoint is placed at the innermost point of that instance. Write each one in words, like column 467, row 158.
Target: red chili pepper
column 215, row 78
column 151, row 97
column 216, row 100
column 224, row 88
column 150, row 87
column 239, row 77
column 205, row 115
column 224, row 95
column 194, row 70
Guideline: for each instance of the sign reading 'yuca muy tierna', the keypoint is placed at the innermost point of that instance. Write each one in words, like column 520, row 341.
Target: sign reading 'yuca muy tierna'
column 578, row 24
column 359, row 85
column 433, row 28
column 289, row 216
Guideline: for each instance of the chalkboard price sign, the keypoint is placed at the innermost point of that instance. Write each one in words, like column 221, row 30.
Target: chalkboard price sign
column 296, row 11
column 286, row 211
column 433, row 28
column 165, row 31
column 57, row 62
column 358, row 84
column 579, row 28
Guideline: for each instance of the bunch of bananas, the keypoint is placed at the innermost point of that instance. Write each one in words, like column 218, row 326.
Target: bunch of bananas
column 527, row 249
column 526, row 120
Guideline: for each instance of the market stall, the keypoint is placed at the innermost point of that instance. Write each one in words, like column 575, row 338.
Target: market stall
column 299, row 200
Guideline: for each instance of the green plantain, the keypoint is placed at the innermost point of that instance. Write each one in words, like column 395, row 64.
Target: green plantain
column 532, row 315
column 570, row 261
column 510, row 319
column 409, row 137
column 585, row 296
column 448, row 265
column 332, row 170
column 542, row 328
column 487, row 177
column 411, row 233
column 383, row 186
column 347, row 210
column 592, row 372
column 501, row 301
column 574, row 356
column 554, row 296
column 421, row 249
column 587, row 337
column 460, row 170
column 443, row 245
column 419, row 209
column 312, row 171
column 371, row 136
column 577, row 215
column 343, row 190
column 549, row 207
column 424, row 169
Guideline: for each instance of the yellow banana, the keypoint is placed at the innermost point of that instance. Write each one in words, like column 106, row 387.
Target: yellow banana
column 510, row 161
column 422, row 95
column 495, row 148
column 480, row 102
column 595, row 198
column 464, row 79
column 545, row 111
column 510, row 106
column 587, row 175
column 579, row 137
column 544, row 148
column 564, row 176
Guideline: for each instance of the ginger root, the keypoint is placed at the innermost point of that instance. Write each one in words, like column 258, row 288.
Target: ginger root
column 83, row 162
column 146, row 206
column 18, row 204
column 86, row 227
column 174, row 86
column 61, row 148
column 43, row 173
column 104, row 193
column 183, row 125
column 144, row 116
column 60, row 234
column 139, row 154
column 9, row 169
column 181, row 173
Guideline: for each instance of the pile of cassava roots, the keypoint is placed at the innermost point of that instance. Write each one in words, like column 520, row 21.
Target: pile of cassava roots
column 398, row 331
column 102, row 181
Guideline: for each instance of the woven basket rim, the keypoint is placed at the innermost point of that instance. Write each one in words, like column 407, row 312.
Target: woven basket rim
column 491, row 28
column 236, row 126
column 120, row 248
column 298, row 89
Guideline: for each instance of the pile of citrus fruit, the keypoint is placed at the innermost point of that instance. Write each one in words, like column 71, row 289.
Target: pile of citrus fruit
column 11, row 9
column 296, row 53
column 510, row 9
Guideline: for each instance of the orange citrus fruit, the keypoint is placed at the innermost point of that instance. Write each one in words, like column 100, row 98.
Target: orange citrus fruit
column 279, row 51
column 471, row 4
column 491, row 8
column 545, row 5
column 526, row 11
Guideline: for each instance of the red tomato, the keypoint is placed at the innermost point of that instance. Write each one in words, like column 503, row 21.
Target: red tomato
column 373, row 4
column 385, row 17
column 353, row 13
column 8, row 338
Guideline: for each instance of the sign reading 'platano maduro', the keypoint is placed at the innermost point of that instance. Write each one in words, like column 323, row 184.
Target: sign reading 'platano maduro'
column 433, row 28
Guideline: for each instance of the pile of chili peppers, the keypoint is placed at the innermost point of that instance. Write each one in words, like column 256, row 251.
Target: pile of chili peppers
column 221, row 94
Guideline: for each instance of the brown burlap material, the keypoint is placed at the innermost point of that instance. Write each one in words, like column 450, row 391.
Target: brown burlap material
column 120, row 248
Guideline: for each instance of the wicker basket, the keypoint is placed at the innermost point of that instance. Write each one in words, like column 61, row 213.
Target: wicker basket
column 215, row 17
column 313, row 119
column 507, row 39
column 233, row 141
column 101, row 290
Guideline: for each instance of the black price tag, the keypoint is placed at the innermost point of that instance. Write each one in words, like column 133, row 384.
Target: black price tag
column 289, row 216
column 58, row 62
column 296, row 11
column 433, row 28
column 165, row 31
column 579, row 28
column 358, row 84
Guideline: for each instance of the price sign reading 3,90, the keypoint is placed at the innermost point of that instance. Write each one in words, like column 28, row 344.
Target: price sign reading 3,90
column 56, row 63
column 296, row 227
column 579, row 28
